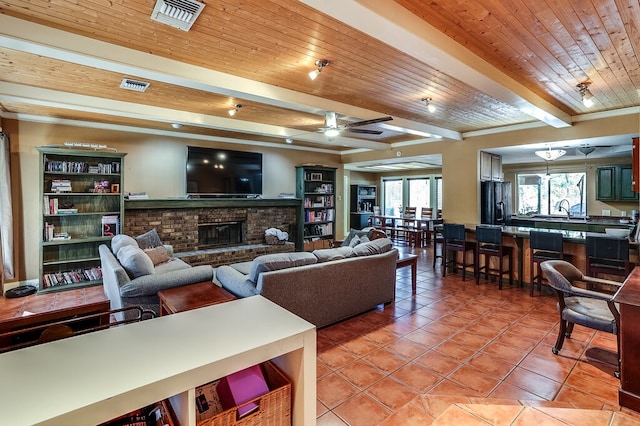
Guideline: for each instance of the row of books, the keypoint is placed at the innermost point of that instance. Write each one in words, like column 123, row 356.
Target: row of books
column 71, row 277
column 319, row 216
column 81, row 167
column 51, row 235
column 110, row 225
column 320, row 201
column 60, row 185
column 318, row 229
column 325, row 188
column 53, row 206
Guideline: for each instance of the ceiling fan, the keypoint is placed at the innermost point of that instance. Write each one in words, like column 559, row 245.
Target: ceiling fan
column 332, row 129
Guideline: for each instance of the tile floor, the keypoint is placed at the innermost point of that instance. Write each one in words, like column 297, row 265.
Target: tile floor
column 454, row 342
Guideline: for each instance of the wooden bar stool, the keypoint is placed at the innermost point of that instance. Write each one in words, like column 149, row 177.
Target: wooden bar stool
column 438, row 240
column 608, row 255
column 454, row 236
column 542, row 246
column 489, row 244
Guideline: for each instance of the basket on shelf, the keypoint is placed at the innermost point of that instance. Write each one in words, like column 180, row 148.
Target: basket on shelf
column 272, row 239
column 274, row 406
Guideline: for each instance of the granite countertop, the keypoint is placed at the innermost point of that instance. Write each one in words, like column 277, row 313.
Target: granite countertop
column 578, row 237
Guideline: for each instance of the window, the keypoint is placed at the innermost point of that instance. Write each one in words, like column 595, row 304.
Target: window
column 556, row 193
column 418, row 192
column 392, row 197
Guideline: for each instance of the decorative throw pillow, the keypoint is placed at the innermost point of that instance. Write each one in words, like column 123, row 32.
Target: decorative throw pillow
column 352, row 234
column 135, row 261
column 121, row 240
column 327, row 255
column 379, row 246
column 158, row 255
column 354, row 241
column 149, row 239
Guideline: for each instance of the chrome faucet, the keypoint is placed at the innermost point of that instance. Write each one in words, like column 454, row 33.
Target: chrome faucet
column 566, row 209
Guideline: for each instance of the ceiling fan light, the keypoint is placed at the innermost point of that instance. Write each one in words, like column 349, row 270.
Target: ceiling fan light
column 332, row 133
column 551, row 154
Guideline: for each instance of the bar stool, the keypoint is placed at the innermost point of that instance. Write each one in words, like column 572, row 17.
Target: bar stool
column 542, row 246
column 489, row 244
column 608, row 255
column 454, row 236
column 438, row 240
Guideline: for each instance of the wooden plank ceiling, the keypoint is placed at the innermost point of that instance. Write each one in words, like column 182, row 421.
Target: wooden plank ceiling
column 486, row 64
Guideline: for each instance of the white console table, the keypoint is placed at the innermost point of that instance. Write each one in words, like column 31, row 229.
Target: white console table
column 95, row 377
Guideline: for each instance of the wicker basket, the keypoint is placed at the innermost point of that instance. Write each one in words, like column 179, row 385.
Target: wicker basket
column 272, row 239
column 274, row 406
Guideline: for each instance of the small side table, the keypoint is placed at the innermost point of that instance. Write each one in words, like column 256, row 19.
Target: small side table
column 405, row 259
column 193, row 296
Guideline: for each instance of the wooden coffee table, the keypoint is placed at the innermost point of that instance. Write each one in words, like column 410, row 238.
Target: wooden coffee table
column 193, row 296
column 405, row 259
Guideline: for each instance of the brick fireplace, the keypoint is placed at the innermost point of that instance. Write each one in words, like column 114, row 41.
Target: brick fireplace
column 215, row 232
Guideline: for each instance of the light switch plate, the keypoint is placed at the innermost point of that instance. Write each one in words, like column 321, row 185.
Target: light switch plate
column 606, row 212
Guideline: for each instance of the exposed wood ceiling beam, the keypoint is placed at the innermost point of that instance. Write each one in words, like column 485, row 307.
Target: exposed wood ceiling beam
column 391, row 23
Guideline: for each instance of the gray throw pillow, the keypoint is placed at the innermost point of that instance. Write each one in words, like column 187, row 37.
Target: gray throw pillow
column 276, row 261
column 354, row 233
column 379, row 246
column 121, row 240
column 149, row 239
column 135, row 261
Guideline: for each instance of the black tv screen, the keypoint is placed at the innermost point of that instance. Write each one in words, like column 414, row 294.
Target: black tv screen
column 222, row 172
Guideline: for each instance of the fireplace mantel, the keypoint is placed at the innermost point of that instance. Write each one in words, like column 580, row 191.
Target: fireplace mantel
column 182, row 203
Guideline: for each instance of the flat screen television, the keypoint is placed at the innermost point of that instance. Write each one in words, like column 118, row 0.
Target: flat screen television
column 213, row 172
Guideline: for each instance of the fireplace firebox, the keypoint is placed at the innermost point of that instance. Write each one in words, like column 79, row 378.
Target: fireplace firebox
column 221, row 234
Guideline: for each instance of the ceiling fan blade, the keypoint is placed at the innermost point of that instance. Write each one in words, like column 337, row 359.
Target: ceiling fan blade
column 364, row 131
column 365, row 122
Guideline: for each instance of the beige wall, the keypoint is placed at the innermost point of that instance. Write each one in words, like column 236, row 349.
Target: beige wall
column 154, row 164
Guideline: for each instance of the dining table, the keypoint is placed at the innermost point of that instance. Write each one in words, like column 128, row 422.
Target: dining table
column 402, row 224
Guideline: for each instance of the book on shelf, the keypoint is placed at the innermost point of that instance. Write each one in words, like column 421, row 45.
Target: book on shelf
column 137, row 196
column 48, row 231
column 110, row 225
column 53, row 279
column 67, row 211
column 61, row 185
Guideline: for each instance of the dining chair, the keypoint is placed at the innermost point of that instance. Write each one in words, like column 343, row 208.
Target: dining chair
column 437, row 239
column 489, row 244
column 454, row 242
column 426, row 227
column 577, row 305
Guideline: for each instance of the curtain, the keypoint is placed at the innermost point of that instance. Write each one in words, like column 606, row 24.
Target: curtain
column 6, row 216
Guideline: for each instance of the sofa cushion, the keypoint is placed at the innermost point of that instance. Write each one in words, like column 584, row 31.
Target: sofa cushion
column 327, row 255
column 149, row 285
column 134, row 261
column 242, row 267
column 381, row 245
column 121, row 240
column 352, row 234
column 149, row 239
column 157, row 255
column 275, row 261
column 174, row 264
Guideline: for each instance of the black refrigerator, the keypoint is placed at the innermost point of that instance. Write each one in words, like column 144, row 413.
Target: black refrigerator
column 495, row 203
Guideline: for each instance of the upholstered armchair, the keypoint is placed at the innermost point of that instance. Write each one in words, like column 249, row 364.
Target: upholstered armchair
column 581, row 306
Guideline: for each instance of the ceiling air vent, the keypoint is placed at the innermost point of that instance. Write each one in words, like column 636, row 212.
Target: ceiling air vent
column 180, row 14
column 135, row 85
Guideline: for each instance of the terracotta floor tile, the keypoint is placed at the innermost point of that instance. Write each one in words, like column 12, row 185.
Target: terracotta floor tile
column 385, row 360
column 362, row 410
column 330, row 419
column 490, row 365
column 602, row 388
column 407, row 348
column 361, row 374
column 472, row 378
column 454, row 350
column 455, row 415
column 438, row 362
column 469, row 339
column 381, row 336
column 507, row 353
column 416, row 377
column 508, row 391
column 360, row 346
column 425, row 337
column 408, row 415
column 578, row 417
column 336, row 357
column 494, row 414
column 551, row 366
column 333, row 390
column 450, row 388
column 320, row 408
column 534, row 383
column 391, row 393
